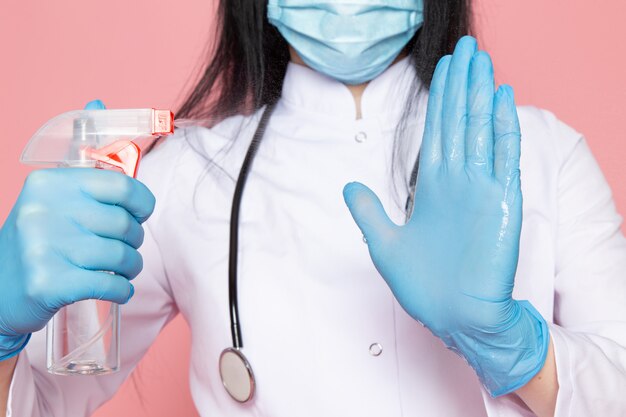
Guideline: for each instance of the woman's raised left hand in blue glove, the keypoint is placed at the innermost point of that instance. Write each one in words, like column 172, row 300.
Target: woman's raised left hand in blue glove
column 452, row 266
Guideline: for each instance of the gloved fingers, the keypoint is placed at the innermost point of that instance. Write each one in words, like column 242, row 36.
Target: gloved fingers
column 368, row 212
column 109, row 221
column 102, row 254
column 507, row 138
column 95, row 105
column 96, row 285
column 430, row 153
column 110, row 187
column 479, row 135
column 455, row 103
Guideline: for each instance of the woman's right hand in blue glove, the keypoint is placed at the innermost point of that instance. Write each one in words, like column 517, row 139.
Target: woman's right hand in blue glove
column 68, row 226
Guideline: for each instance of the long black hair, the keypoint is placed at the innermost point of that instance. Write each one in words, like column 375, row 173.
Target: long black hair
column 247, row 62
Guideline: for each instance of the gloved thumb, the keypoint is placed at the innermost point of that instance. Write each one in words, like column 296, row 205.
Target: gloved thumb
column 367, row 211
column 95, row 105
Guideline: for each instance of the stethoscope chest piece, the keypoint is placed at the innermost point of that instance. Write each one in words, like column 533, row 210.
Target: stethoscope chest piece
column 237, row 375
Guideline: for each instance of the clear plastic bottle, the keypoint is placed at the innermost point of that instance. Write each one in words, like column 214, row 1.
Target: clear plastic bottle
column 84, row 338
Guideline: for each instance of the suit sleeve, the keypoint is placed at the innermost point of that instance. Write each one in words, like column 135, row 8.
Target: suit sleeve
column 589, row 330
column 588, row 324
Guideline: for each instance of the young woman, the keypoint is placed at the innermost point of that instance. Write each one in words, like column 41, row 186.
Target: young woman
column 476, row 313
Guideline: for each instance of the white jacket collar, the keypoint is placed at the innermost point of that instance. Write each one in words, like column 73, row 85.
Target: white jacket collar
column 383, row 98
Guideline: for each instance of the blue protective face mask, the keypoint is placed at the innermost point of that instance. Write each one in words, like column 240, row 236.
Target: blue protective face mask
column 352, row 41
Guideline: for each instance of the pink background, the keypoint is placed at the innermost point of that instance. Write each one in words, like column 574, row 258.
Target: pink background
column 563, row 55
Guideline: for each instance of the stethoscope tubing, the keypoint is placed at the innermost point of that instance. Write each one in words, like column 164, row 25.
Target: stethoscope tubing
column 233, row 301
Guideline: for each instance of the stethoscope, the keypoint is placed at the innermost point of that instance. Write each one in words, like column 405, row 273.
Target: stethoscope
column 235, row 369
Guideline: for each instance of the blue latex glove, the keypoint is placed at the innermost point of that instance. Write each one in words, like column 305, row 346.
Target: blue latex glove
column 67, row 227
column 452, row 266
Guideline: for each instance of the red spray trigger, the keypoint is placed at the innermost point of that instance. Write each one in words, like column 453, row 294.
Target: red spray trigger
column 123, row 155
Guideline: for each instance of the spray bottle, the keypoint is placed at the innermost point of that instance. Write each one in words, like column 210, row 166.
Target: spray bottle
column 84, row 338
